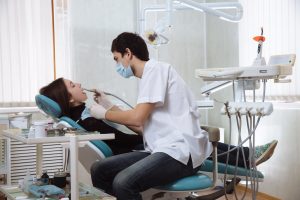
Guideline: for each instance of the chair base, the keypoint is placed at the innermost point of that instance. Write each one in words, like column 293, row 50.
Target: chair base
column 219, row 193
column 215, row 193
column 198, row 181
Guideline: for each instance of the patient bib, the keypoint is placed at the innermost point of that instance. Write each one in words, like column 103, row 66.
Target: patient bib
column 85, row 114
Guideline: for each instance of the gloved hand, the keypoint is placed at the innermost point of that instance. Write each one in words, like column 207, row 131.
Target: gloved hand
column 101, row 99
column 98, row 111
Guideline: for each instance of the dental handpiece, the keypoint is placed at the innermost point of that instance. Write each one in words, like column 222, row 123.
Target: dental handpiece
column 95, row 91
column 110, row 94
column 90, row 90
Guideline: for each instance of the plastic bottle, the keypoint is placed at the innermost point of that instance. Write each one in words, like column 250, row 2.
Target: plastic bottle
column 27, row 181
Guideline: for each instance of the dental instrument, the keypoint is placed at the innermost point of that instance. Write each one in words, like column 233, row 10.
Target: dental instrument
column 260, row 39
column 109, row 94
column 90, row 90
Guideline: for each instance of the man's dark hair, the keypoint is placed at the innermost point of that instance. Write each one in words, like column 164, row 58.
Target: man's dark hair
column 58, row 92
column 132, row 41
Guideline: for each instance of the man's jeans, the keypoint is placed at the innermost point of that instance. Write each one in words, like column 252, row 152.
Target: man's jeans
column 126, row 175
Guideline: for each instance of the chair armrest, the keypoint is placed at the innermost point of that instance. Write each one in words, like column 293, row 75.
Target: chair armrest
column 213, row 133
column 214, row 137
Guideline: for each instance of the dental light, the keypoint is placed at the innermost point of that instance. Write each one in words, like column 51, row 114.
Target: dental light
column 155, row 36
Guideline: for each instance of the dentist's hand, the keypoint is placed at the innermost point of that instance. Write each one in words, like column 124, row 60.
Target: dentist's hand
column 101, row 99
column 98, row 111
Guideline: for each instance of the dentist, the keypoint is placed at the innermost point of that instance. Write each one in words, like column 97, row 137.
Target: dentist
column 175, row 146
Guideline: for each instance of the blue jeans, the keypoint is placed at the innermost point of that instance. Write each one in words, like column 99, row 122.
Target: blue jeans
column 126, row 175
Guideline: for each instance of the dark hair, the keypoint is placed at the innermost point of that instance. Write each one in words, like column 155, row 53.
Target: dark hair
column 58, row 92
column 132, row 41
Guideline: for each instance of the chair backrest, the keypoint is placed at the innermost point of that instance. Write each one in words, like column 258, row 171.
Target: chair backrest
column 52, row 108
column 49, row 106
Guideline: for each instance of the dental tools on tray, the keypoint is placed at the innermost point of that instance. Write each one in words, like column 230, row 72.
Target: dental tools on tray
column 109, row 94
column 279, row 67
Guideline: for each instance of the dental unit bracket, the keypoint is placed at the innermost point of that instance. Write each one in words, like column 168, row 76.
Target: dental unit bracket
column 244, row 108
column 278, row 68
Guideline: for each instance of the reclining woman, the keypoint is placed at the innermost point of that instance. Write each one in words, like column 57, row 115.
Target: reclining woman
column 71, row 97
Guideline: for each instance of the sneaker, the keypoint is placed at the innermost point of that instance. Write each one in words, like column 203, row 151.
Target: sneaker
column 264, row 152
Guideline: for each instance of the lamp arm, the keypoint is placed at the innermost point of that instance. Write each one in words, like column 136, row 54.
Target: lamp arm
column 213, row 9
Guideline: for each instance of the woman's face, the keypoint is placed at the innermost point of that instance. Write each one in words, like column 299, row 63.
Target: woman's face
column 76, row 92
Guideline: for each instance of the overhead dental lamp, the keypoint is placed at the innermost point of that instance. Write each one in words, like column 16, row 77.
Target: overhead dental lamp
column 155, row 36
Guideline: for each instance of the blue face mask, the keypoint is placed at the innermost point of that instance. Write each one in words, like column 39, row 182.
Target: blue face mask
column 126, row 72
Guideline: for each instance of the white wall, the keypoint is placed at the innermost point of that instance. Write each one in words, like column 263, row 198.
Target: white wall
column 282, row 170
column 94, row 24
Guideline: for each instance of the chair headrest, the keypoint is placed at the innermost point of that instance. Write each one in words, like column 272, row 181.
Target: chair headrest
column 47, row 105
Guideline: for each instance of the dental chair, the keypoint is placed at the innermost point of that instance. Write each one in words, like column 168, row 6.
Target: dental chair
column 205, row 179
column 96, row 149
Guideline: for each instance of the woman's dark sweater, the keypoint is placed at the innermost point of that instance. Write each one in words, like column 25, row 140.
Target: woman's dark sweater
column 122, row 143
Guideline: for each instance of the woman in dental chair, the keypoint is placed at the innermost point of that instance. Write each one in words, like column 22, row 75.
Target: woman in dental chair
column 70, row 97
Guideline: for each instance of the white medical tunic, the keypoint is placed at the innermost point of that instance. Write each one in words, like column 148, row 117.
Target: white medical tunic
column 173, row 127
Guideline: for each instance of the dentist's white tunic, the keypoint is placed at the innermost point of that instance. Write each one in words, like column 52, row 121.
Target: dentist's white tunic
column 173, row 126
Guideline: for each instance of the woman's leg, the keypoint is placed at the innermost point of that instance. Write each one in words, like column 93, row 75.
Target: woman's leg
column 124, row 143
column 104, row 171
column 222, row 148
column 153, row 170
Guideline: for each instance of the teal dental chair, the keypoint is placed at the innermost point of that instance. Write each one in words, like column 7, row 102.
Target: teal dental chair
column 205, row 179
column 96, row 149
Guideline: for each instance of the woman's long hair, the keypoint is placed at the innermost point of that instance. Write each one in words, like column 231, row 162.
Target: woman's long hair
column 58, row 92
